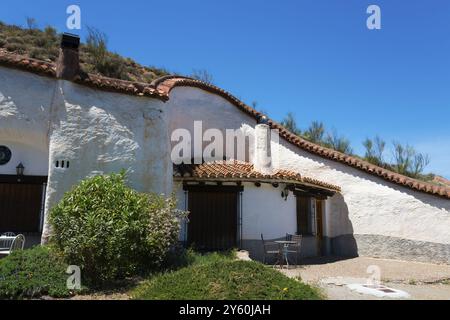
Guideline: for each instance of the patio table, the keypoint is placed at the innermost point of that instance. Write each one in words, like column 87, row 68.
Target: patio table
column 283, row 247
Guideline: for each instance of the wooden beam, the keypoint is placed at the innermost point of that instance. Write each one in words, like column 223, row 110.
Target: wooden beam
column 312, row 192
column 14, row 179
column 317, row 191
column 212, row 188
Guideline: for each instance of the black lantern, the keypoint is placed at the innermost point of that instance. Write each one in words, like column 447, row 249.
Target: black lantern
column 20, row 169
column 285, row 193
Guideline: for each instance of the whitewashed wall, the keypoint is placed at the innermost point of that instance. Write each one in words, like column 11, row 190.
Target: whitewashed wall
column 33, row 158
column 370, row 217
column 371, row 205
column 187, row 105
column 25, row 103
column 101, row 132
column 266, row 212
column 47, row 120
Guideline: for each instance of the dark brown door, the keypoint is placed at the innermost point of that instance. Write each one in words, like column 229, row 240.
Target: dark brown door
column 213, row 219
column 303, row 215
column 20, row 207
column 319, row 217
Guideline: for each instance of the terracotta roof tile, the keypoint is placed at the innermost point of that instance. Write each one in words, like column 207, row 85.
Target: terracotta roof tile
column 161, row 88
column 99, row 82
column 243, row 171
column 24, row 63
column 168, row 83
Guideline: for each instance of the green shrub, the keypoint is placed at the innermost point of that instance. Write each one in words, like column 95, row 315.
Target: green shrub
column 51, row 33
column 32, row 274
column 16, row 47
column 112, row 231
column 38, row 53
column 18, row 40
column 112, row 66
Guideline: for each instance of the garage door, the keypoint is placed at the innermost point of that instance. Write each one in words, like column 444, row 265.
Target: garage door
column 213, row 219
column 21, row 206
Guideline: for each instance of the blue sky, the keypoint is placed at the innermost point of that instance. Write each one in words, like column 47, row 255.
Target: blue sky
column 315, row 58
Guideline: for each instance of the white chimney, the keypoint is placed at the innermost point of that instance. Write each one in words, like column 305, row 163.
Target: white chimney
column 263, row 150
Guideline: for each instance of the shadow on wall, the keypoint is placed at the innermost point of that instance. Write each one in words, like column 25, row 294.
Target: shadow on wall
column 323, row 165
column 344, row 244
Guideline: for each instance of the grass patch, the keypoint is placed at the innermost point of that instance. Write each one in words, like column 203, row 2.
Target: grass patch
column 220, row 277
column 32, row 274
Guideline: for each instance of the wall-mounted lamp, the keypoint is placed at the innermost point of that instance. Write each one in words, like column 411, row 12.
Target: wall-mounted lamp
column 20, row 169
column 285, row 193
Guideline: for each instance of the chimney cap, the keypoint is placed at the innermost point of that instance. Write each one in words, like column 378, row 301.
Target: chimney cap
column 70, row 41
column 262, row 119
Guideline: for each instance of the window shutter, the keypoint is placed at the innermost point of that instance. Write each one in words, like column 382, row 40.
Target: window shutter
column 302, row 215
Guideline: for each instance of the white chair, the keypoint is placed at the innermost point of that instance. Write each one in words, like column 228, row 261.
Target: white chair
column 270, row 249
column 8, row 234
column 6, row 240
column 18, row 243
column 295, row 248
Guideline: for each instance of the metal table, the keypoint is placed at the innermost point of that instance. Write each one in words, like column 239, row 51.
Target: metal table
column 283, row 247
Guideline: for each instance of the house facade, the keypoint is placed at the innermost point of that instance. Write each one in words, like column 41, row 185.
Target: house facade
column 64, row 125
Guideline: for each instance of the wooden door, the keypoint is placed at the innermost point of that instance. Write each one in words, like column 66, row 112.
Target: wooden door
column 319, row 225
column 213, row 218
column 20, row 207
column 303, row 215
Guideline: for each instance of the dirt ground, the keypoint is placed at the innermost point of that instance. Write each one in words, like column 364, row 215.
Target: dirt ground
column 422, row 281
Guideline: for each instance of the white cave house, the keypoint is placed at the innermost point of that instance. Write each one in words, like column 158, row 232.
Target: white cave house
column 59, row 125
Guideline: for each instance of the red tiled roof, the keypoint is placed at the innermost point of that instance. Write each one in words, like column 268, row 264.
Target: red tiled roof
column 98, row 82
column 162, row 87
column 243, row 171
column 168, row 83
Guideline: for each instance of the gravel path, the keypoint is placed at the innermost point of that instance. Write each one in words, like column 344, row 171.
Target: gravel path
column 420, row 280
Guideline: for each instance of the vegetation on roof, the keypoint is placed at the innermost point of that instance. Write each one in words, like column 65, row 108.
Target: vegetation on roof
column 405, row 159
column 94, row 54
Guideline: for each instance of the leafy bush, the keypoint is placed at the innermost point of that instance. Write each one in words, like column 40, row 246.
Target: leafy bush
column 17, row 47
column 32, row 274
column 112, row 231
column 218, row 277
column 113, row 66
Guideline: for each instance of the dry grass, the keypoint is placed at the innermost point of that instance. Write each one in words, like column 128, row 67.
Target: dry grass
column 44, row 45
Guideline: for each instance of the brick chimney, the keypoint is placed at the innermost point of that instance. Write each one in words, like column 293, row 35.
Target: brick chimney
column 68, row 64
